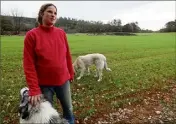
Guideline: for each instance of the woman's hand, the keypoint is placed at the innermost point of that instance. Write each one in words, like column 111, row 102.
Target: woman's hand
column 34, row 100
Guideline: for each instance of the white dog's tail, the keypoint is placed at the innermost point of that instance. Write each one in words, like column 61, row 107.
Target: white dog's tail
column 106, row 66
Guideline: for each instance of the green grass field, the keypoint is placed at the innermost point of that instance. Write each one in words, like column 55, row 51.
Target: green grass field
column 138, row 63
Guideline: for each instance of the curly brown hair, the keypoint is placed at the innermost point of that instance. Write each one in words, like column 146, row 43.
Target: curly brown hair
column 41, row 11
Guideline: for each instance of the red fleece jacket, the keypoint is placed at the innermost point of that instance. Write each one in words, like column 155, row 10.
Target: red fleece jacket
column 46, row 58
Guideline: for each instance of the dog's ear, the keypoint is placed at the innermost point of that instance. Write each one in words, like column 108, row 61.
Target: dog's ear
column 25, row 115
column 23, row 110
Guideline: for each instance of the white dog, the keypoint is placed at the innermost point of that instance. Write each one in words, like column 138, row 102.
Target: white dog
column 83, row 63
column 42, row 113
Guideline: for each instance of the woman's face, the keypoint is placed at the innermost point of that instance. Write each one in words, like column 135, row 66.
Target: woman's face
column 49, row 16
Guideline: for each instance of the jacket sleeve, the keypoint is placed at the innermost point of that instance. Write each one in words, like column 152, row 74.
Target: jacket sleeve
column 29, row 58
column 69, row 59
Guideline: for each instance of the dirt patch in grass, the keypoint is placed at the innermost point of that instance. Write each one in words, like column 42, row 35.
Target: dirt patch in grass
column 154, row 106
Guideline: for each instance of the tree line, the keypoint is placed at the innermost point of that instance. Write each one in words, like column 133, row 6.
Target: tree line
column 16, row 23
column 169, row 27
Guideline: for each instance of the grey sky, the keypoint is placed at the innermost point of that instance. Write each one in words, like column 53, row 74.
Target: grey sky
column 149, row 14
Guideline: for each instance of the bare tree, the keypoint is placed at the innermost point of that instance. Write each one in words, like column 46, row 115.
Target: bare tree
column 17, row 20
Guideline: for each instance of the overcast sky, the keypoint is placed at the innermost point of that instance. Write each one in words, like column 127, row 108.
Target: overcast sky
column 149, row 14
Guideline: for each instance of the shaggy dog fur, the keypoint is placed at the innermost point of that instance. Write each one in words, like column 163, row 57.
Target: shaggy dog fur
column 42, row 113
column 83, row 63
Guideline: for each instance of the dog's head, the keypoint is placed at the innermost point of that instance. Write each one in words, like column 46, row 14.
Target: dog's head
column 26, row 110
column 24, row 103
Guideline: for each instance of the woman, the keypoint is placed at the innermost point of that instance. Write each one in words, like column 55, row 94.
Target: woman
column 47, row 62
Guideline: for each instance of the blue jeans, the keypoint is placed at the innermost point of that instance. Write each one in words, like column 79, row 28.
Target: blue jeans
column 63, row 93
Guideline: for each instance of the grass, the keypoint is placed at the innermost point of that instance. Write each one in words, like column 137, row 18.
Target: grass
column 138, row 63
